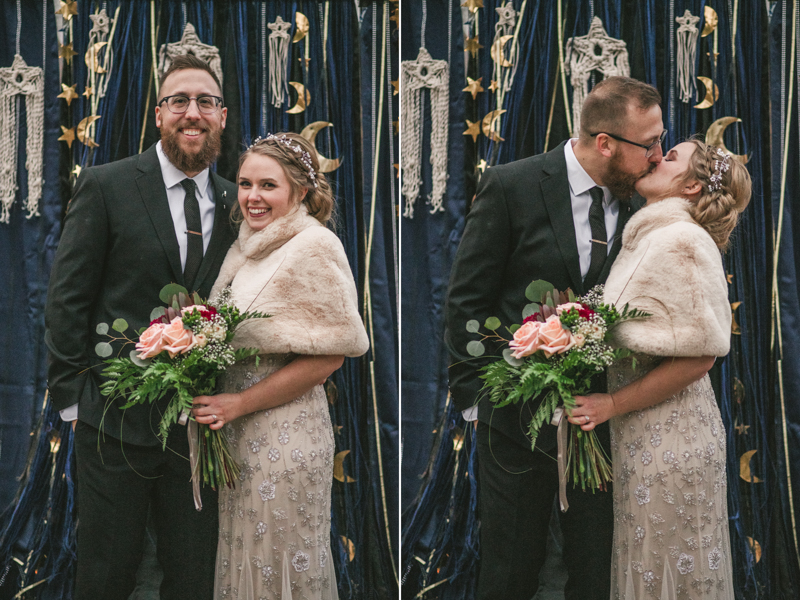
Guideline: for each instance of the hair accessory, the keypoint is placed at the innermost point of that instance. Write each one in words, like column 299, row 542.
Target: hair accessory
column 721, row 165
column 303, row 156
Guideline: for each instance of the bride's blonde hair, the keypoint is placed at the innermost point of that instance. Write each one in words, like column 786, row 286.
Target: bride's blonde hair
column 720, row 202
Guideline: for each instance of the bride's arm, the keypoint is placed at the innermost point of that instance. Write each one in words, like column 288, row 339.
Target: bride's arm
column 282, row 386
column 667, row 379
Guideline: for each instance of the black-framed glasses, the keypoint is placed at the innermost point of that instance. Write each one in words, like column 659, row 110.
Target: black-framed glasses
column 179, row 103
column 651, row 148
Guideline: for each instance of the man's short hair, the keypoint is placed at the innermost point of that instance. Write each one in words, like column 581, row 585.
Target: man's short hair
column 606, row 106
column 188, row 61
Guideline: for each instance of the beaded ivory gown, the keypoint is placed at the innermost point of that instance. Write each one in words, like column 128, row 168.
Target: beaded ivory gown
column 287, row 470
column 670, row 503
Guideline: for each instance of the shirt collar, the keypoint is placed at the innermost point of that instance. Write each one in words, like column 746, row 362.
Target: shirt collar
column 173, row 176
column 580, row 181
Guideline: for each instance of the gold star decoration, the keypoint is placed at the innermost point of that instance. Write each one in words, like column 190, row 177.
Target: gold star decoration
column 308, row 60
column 472, row 45
column 69, row 135
column 482, row 166
column 493, row 86
column 77, row 170
column 474, row 86
column 397, row 168
column 396, row 86
column 396, row 125
column 730, row 278
column 66, row 52
column 741, row 428
column 68, row 93
column 473, row 5
column 395, row 15
column 68, row 9
column 473, row 129
column 87, row 92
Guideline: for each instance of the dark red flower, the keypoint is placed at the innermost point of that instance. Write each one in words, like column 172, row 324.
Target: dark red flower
column 586, row 312
column 533, row 317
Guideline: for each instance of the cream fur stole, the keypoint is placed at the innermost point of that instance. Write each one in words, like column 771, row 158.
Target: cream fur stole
column 670, row 267
column 296, row 270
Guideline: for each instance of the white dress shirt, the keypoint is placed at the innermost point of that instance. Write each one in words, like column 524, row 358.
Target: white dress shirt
column 579, row 185
column 175, row 196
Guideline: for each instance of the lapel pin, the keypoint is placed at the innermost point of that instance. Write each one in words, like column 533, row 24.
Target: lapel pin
column 224, row 193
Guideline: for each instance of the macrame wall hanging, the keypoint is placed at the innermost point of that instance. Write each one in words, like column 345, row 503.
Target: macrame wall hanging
column 417, row 75
column 21, row 80
column 190, row 44
column 278, row 55
column 595, row 51
column 687, row 52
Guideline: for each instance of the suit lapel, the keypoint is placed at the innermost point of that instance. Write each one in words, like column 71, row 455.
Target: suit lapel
column 154, row 195
column 555, row 191
column 221, row 236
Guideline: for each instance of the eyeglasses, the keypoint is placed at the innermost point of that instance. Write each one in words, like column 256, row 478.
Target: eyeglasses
column 179, row 104
column 650, row 148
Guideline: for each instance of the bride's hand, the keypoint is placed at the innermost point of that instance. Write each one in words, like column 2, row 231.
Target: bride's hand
column 216, row 410
column 592, row 410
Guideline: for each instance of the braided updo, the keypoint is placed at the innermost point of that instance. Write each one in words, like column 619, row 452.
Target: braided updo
column 318, row 199
column 719, row 204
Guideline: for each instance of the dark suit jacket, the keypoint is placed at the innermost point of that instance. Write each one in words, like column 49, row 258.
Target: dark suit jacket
column 117, row 250
column 520, row 228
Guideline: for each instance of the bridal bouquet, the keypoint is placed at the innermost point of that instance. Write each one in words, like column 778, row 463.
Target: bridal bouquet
column 560, row 346
column 183, row 351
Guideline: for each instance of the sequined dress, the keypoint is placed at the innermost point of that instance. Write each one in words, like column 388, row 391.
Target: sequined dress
column 275, row 528
column 671, row 536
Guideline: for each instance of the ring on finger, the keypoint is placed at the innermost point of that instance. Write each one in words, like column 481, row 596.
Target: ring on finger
column 214, row 417
column 586, row 418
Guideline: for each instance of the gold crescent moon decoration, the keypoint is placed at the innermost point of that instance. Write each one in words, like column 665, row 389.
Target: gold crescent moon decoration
column 301, row 27
column 738, row 390
column 92, row 57
column 350, row 546
column 711, row 20
column 708, row 100
column 735, row 329
column 338, row 467
column 82, row 131
column 303, row 98
column 755, row 547
column 744, row 467
column 497, row 51
column 326, row 165
column 715, row 133
column 488, row 122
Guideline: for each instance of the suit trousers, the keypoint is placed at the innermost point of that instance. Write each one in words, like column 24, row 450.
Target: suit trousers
column 116, row 484
column 517, row 491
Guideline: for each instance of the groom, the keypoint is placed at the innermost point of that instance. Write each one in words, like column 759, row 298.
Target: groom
column 558, row 217
column 132, row 227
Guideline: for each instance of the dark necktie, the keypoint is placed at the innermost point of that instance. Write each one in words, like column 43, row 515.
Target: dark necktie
column 194, row 233
column 597, row 221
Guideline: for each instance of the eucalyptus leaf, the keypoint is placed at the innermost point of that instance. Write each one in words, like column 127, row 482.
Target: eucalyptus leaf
column 119, row 325
column 473, row 326
column 170, row 290
column 196, row 298
column 157, row 313
column 536, row 289
column 139, row 362
column 531, row 309
column 476, row 348
column 571, row 295
column 102, row 329
column 514, row 362
column 183, row 300
column 103, row 349
column 514, row 328
column 492, row 323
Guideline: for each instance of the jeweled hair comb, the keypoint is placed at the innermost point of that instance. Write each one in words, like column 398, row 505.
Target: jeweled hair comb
column 721, row 165
column 303, row 155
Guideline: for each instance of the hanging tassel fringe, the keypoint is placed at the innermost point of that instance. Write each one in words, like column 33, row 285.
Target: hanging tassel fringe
column 687, row 52
column 278, row 55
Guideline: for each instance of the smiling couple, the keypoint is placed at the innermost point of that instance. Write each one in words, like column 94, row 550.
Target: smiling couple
column 163, row 216
column 567, row 217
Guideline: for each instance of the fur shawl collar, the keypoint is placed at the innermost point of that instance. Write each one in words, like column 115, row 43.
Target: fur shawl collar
column 296, row 270
column 670, row 267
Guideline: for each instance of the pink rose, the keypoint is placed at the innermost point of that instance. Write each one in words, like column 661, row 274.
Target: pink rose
column 193, row 308
column 150, row 342
column 177, row 340
column 567, row 306
column 526, row 339
column 553, row 338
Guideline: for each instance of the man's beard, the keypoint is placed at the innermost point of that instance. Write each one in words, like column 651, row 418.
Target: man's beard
column 620, row 182
column 191, row 163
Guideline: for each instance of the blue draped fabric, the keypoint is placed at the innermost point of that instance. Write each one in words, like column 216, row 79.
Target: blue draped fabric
column 762, row 519
column 365, row 505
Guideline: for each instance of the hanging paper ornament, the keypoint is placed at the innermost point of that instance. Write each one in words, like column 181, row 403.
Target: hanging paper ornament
column 595, row 51
column 687, row 51
column 190, row 44
column 278, row 55
column 21, row 80
column 416, row 75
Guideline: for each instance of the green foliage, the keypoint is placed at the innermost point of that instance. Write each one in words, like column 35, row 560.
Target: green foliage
column 170, row 290
column 537, row 289
column 476, row 348
column 119, row 325
column 492, row 324
column 157, row 313
column 103, row 349
column 473, row 326
column 102, row 328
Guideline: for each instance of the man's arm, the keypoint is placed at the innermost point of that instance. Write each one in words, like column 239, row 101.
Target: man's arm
column 75, row 281
column 475, row 284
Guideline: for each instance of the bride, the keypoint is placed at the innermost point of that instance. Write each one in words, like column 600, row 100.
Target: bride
column 274, row 538
column 668, row 441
